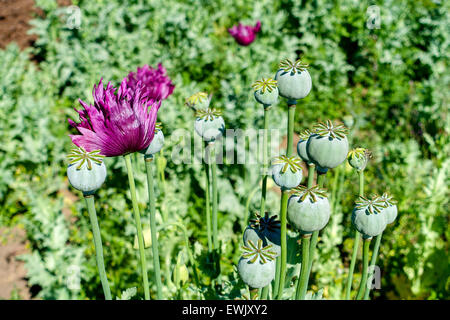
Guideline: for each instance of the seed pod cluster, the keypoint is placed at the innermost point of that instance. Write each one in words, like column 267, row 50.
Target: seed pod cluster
column 370, row 216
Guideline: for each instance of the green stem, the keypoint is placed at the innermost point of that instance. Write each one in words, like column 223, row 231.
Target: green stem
column 276, row 285
column 98, row 245
column 247, row 206
column 137, row 218
column 208, row 208
column 303, row 283
column 265, row 292
column 362, row 285
column 152, row 201
column 214, row 196
column 361, row 183
column 282, row 270
column 265, row 162
column 355, row 245
column 290, row 129
column 373, row 262
column 189, row 252
column 311, row 168
column 161, row 181
column 315, row 235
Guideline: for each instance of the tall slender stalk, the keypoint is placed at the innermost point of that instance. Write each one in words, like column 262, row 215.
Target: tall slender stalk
column 302, row 284
column 283, row 217
column 310, row 183
column 216, row 246
column 362, row 285
column 98, row 245
column 155, row 244
column 373, row 262
column 265, row 162
column 137, row 218
column 214, row 196
column 276, row 284
column 207, row 207
column 265, row 291
column 290, row 129
column 281, row 272
column 314, row 237
column 355, row 245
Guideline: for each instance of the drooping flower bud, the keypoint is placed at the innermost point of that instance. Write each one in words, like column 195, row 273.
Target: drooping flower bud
column 86, row 170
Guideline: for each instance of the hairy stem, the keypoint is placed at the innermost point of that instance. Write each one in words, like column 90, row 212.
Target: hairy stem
column 137, row 218
column 98, row 245
column 155, row 244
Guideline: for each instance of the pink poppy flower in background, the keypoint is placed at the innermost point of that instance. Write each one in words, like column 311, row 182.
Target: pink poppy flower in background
column 155, row 81
column 244, row 35
column 118, row 123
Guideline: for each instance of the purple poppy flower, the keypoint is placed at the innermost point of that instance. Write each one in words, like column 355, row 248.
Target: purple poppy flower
column 155, row 81
column 244, row 35
column 118, row 123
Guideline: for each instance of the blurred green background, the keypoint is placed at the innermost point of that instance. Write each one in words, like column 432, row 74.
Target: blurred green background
column 392, row 81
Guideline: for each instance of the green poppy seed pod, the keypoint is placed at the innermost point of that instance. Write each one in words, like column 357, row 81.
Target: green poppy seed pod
column 390, row 210
column 86, row 170
column 308, row 209
column 287, row 172
column 301, row 146
column 266, row 91
column 328, row 146
column 157, row 143
column 199, row 101
column 209, row 124
column 257, row 265
column 293, row 80
column 265, row 228
column 368, row 217
column 358, row 158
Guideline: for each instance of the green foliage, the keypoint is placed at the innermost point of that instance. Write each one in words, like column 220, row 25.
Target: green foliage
column 393, row 81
